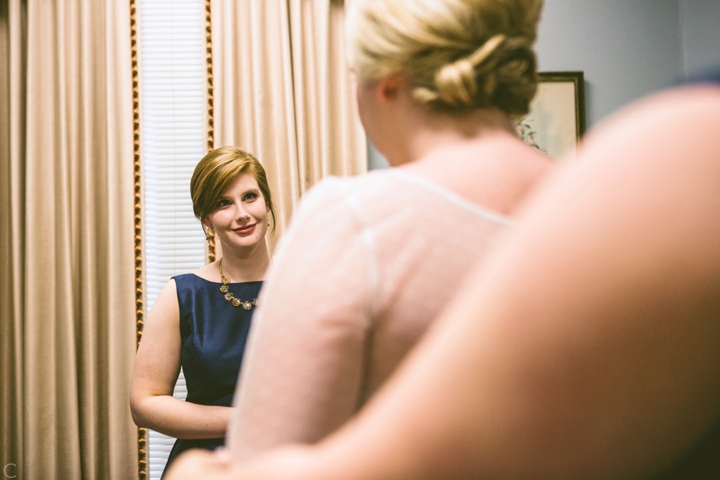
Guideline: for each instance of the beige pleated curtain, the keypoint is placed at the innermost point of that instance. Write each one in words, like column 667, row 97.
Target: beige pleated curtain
column 67, row 337
column 283, row 90
column 67, row 278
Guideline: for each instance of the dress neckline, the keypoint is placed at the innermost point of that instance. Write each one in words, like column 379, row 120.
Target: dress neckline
column 230, row 283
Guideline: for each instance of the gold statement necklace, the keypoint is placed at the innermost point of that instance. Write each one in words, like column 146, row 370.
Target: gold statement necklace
column 225, row 290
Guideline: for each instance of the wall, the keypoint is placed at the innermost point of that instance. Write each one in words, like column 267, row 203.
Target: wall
column 700, row 22
column 627, row 48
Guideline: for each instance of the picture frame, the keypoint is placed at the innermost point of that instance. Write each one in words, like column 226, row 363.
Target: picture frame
column 556, row 120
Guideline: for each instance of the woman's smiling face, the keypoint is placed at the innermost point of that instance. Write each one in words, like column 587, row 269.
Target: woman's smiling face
column 240, row 217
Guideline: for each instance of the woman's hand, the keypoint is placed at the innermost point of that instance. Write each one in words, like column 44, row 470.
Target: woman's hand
column 285, row 463
column 195, row 464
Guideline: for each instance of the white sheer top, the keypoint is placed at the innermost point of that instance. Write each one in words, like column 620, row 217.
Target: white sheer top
column 365, row 267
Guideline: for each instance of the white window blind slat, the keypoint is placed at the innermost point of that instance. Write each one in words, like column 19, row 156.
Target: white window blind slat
column 172, row 65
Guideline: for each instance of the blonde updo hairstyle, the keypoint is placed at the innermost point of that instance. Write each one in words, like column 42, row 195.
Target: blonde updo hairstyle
column 215, row 173
column 460, row 55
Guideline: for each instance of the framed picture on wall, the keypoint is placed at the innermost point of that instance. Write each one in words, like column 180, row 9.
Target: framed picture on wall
column 556, row 119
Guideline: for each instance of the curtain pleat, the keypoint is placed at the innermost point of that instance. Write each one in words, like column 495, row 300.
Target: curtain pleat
column 70, row 191
column 330, row 138
column 12, row 137
column 282, row 90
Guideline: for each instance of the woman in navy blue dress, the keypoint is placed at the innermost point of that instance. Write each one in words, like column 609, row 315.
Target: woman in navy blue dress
column 200, row 320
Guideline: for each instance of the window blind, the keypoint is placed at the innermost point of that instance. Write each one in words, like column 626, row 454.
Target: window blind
column 172, row 108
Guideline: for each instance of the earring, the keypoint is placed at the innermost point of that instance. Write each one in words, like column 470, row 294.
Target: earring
column 208, row 231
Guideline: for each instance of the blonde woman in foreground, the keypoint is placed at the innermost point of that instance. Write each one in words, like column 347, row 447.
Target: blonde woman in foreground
column 587, row 347
column 370, row 261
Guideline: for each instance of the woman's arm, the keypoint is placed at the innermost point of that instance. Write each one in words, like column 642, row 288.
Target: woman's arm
column 302, row 373
column 157, row 365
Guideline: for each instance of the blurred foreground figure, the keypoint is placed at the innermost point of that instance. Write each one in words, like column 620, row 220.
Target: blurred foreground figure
column 588, row 345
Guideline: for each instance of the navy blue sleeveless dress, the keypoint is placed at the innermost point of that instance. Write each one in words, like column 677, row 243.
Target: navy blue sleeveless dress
column 213, row 343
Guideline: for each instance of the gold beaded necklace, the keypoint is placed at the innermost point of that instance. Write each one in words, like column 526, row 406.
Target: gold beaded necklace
column 225, row 290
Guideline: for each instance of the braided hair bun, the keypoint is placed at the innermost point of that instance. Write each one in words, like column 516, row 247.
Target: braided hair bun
column 459, row 54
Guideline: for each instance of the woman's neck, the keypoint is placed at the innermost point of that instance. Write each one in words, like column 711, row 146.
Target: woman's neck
column 246, row 266
column 459, row 131
column 431, row 131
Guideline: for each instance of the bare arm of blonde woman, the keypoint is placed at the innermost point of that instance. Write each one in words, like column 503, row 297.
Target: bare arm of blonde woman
column 588, row 346
column 157, row 365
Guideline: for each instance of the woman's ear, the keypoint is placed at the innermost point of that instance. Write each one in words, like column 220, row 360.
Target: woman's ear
column 207, row 223
column 390, row 85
